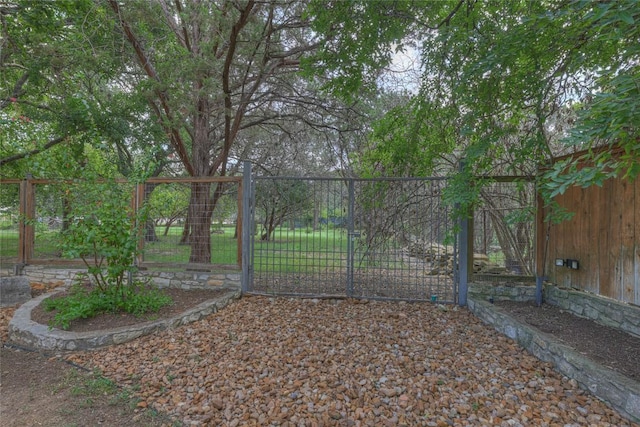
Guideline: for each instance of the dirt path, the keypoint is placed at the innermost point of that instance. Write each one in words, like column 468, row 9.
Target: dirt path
column 36, row 390
column 44, row 390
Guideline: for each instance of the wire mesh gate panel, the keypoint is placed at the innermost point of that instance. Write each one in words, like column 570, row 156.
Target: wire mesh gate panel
column 378, row 239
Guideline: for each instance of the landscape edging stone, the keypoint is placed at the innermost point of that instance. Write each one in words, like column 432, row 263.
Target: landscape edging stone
column 618, row 391
column 24, row 331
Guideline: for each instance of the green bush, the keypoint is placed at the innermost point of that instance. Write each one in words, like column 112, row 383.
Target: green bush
column 83, row 302
column 104, row 232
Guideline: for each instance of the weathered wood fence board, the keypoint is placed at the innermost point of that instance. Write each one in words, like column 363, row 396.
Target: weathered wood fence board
column 603, row 236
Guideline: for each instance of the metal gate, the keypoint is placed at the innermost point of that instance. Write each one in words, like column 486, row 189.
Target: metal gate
column 361, row 238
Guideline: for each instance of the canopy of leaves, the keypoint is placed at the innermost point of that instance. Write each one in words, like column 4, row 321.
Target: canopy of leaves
column 506, row 85
column 64, row 85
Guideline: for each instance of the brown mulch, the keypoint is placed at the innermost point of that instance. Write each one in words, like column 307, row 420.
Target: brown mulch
column 42, row 389
column 607, row 346
column 182, row 301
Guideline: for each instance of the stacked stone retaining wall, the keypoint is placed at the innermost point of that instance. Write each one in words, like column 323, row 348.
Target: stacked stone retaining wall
column 620, row 392
column 163, row 279
column 503, row 292
column 605, row 311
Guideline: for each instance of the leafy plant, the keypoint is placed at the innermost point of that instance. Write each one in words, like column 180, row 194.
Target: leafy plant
column 104, row 232
column 83, row 302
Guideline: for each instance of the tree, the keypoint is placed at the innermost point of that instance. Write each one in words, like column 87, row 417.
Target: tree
column 33, row 63
column 65, row 87
column 280, row 200
column 168, row 204
column 212, row 70
column 498, row 78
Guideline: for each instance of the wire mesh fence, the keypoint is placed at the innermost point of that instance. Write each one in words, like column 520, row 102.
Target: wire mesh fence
column 384, row 238
column 172, row 236
column 404, row 246
column 172, row 225
column 300, row 236
column 504, row 230
column 9, row 222
column 387, row 239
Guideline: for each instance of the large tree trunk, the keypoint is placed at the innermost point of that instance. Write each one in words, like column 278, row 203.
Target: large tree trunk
column 200, row 210
column 268, row 227
column 150, row 227
column 185, row 239
column 514, row 257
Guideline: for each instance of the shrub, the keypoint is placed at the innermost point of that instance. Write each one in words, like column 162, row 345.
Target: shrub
column 104, row 232
column 83, row 302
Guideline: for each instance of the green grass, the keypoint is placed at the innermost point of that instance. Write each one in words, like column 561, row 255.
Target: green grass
column 295, row 250
column 8, row 243
column 167, row 249
column 92, row 391
column 301, row 250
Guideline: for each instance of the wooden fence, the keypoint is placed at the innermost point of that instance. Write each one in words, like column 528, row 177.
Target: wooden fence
column 598, row 250
column 36, row 229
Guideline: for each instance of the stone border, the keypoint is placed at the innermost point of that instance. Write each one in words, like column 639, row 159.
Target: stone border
column 24, row 331
column 170, row 279
column 605, row 311
column 14, row 290
column 618, row 391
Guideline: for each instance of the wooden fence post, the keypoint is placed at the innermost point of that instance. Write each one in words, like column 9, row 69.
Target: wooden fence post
column 138, row 200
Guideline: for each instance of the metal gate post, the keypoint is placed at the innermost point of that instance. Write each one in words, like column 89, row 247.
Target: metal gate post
column 350, row 236
column 247, row 218
column 464, row 241
column 463, row 257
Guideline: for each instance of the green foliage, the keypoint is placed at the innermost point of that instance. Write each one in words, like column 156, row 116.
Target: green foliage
column 279, row 200
column 506, row 85
column 82, row 303
column 356, row 30
column 103, row 232
column 462, row 193
column 64, row 88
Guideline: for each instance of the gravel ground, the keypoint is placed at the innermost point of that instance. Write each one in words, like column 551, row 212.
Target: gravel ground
column 264, row 361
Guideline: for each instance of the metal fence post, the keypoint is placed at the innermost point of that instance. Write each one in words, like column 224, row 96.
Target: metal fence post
column 463, row 261
column 351, row 235
column 464, row 240
column 541, row 247
column 246, row 226
column 26, row 234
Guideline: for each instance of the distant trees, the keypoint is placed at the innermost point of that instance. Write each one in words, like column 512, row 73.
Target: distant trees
column 281, row 200
column 206, row 84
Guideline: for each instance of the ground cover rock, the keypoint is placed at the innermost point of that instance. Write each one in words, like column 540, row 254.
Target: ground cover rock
column 277, row 361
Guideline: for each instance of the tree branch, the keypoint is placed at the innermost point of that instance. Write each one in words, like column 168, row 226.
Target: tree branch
column 22, row 155
column 17, row 90
column 174, row 133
